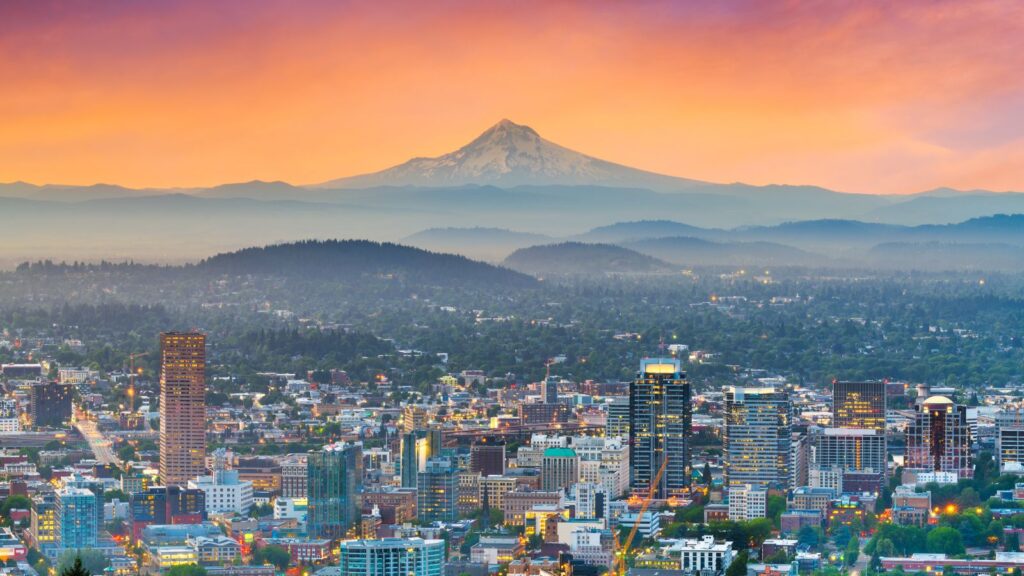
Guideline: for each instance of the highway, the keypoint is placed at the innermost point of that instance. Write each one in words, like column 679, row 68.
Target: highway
column 100, row 446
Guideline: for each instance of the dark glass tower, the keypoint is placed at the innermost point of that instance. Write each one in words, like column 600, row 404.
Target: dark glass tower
column 334, row 477
column 660, row 417
column 859, row 405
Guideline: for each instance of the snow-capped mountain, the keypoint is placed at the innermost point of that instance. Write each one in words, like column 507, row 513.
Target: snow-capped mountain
column 510, row 154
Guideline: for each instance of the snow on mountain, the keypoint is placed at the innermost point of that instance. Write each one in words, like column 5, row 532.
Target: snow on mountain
column 510, row 154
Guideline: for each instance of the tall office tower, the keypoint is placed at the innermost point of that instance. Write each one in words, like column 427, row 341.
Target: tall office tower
column 858, row 453
column 1010, row 442
column 437, row 492
column 487, row 458
column 758, row 433
column 182, row 407
column 76, row 518
column 293, row 476
column 551, row 390
column 800, row 460
column 939, row 438
column 414, row 418
column 618, row 417
column 592, row 501
column 50, row 404
column 660, row 417
column 391, row 557
column 93, row 485
column 859, row 405
column 417, row 447
column 334, row 478
column 559, row 469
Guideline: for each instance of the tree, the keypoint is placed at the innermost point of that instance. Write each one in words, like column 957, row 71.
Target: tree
column 852, row 552
column 808, row 535
column 775, row 507
column 739, row 565
column 706, row 476
column 75, row 569
column 945, row 540
column 186, row 570
column 272, row 554
column 969, row 498
column 93, row 561
column 16, row 502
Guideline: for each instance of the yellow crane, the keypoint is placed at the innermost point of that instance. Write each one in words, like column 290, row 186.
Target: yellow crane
column 620, row 560
column 131, row 379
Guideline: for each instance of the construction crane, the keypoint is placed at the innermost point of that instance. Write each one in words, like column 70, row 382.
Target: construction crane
column 620, row 561
column 131, row 379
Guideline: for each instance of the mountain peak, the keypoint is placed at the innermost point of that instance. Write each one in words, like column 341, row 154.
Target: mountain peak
column 510, row 154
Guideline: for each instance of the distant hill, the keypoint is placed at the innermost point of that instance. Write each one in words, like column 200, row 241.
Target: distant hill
column 697, row 252
column 491, row 244
column 577, row 258
column 348, row 260
column 945, row 256
column 640, row 230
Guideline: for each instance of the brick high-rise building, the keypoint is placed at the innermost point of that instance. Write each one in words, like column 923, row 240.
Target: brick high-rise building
column 182, row 407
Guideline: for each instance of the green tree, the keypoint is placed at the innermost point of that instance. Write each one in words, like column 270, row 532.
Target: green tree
column 186, row 570
column 775, row 507
column 75, row 569
column 945, row 540
column 852, row 552
column 276, row 555
column 738, row 567
column 93, row 561
column 16, row 502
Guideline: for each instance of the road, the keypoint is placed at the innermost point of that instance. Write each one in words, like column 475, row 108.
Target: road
column 101, row 447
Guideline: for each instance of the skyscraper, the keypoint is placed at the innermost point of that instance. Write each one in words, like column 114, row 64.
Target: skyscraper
column 559, row 469
column 182, row 407
column 551, row 390
column 334, row 476
column 660, row 417
column 487, row 458
column 50, row 404
column 860, row 454
column 77, row 520
column 758, row 433
column 859, row 405
column 1010, row 442
column 939, row 438
column 417, row 447
column 437, row 492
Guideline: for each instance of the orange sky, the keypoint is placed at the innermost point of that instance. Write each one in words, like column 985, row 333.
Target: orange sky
column 853, row 96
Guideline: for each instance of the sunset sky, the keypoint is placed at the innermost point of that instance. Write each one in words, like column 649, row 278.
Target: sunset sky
column 857, row 96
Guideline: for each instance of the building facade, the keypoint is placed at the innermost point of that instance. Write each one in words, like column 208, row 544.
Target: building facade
column 437, row 492
column 758, row 436
column 660, row 419
column 859, row 405
column 939, row 438
column 334, row 479
column 182, row 407
column 392, row 557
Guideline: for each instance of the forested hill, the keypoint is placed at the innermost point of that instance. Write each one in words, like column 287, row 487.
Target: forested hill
column 350, row 259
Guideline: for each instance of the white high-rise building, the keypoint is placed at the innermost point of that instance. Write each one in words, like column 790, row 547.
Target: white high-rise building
column 224, row 492
column 747, row 503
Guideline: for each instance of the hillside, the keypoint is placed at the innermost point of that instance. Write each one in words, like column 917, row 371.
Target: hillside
column 348, row 260
column 697, row 252
column 577, row 258
column 488, row 244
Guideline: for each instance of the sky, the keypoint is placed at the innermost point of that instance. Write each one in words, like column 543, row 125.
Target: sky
column 872, row 97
